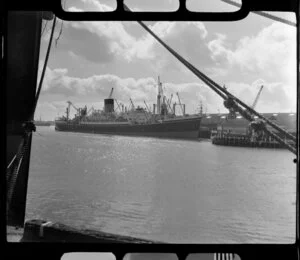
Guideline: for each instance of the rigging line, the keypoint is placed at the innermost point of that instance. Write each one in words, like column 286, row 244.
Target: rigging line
column 292, row 148
column 210, row 82
column 217, row 88
column 185, row 62
column 44, row 68
column 278, row 128
column 198, row 73
column 11, row 162
column 60, row 32
column 246, row 115
column 61, row 27
column 250, row 109
column 287, row 134
column 44, row 27
column 276, row 18
column 13, row 172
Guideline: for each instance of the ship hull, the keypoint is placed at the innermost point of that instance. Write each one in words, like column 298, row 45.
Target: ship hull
column 183, row 129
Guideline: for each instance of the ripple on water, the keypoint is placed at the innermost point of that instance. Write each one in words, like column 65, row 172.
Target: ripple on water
column 155, row 188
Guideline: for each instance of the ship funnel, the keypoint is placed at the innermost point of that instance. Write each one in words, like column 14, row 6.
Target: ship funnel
column 109, row 105
column 159, row 95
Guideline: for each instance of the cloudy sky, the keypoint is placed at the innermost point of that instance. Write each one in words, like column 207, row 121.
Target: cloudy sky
column 92, row 57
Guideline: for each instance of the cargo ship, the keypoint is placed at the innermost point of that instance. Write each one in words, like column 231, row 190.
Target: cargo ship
column 160, row 122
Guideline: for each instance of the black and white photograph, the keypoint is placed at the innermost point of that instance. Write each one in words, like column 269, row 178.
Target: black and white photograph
column 180, row 132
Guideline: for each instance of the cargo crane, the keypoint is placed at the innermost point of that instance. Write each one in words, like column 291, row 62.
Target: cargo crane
column 111, row 92
column 91, row 109
column 162, row 106
column 181, row 106
column 81, row 112
column 169, row 104
column 257, row 97
column 118, row 105
column 232, row 103
column 147, row 107
column 71, row 104
column 132, row 105
column 69, row 107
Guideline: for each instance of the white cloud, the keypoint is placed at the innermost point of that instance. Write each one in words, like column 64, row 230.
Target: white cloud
column 124, row 44
column 273, row 97
column 153, row 5
column 272, row 52
column 47, row 110
column 91, row 91
column 217, row 47
column 266, row 58
column 269, row 56
column 93, row 5
column 57, row 81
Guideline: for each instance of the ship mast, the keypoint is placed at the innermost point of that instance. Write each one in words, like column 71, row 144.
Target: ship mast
column 160, row 93
column 201, row 108
column 169, row 104
column 182, row 106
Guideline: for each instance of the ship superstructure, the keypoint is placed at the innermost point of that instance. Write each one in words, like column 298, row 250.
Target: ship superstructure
column 133, row 120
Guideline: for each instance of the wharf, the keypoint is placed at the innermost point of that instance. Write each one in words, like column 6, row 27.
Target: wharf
column 244, row 141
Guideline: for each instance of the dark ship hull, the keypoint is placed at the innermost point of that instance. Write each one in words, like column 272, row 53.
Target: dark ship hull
column 183, row 128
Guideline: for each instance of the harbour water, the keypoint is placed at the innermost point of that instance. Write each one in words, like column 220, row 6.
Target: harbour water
column 168, row 190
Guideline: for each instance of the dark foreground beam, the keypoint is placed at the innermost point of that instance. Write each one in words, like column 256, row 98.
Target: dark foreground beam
column 43, row 231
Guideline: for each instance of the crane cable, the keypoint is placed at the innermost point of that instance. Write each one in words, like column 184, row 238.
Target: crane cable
column 222, row 91
column 278, row 128
column 257, row 97
column 218, row 89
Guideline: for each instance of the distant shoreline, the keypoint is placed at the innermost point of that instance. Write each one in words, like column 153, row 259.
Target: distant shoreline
column 44, row 123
